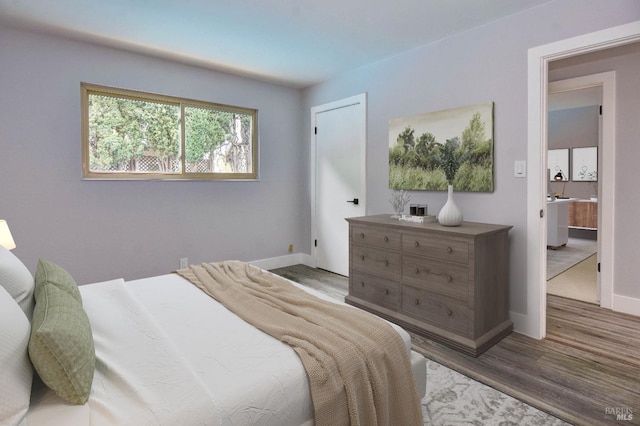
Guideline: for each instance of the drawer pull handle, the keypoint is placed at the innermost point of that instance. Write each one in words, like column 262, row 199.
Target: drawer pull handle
column 449, row 278
column 362, row 283
column 362, row 235
column 386, row 263
column 417, row 302
column 417, row 271
column 386, row 291
column 362, row 258
column 449, row 250
column 386, row 239
column 417, row 244
column 449, row 312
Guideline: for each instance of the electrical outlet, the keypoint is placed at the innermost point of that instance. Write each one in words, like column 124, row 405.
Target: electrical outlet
column 184, row 262
column 290, row 248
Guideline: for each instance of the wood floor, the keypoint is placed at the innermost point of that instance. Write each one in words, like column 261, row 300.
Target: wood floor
column 585, row 372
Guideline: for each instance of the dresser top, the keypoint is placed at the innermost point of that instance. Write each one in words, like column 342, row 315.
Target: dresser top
column 467, row 229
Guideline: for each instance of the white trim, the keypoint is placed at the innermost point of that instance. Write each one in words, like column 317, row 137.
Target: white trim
column 520, row 323
column 342, row 103
column 625, row 304
column 606, row 176
column 284, row 261
column 538, row 60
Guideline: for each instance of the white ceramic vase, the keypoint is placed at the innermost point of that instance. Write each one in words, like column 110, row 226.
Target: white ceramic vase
column 450, row 215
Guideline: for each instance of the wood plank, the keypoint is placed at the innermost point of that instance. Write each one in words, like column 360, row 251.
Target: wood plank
column 333, row 285
column 593, row 329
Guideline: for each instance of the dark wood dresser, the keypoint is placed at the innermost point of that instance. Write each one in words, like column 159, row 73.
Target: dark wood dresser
column 448, row 284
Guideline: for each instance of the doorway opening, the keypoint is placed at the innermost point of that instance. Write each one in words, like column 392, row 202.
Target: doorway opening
column 574, row 139
column 539, row 59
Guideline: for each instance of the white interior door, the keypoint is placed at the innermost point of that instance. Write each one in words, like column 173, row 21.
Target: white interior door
column 340, row 142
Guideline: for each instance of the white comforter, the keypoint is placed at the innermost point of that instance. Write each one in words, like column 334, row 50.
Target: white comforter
column 168, row 354
column 141, row 377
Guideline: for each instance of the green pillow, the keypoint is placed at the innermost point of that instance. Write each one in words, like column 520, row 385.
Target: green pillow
column 61, row 344
column 50, row 273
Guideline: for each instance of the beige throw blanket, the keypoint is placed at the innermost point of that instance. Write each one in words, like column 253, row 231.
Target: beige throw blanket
column 358, row 367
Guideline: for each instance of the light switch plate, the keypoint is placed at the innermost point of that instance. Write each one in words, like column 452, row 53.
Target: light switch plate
column 520, row 169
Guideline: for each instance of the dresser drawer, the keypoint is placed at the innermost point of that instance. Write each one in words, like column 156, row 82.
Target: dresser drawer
column 449, row 249
column 376, row 262
column 376, row 290
column 446, row 278
column 439, row 310
column 387, row 239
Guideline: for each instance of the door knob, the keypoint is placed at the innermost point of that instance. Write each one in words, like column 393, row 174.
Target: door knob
column 354, row 201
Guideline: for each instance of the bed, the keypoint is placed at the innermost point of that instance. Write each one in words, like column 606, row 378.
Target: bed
column 165, row 353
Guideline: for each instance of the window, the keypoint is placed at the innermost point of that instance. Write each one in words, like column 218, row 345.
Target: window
column 135, row 135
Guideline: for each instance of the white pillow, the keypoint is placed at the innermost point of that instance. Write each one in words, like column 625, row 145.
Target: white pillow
column 16, row 372
column 17, row 280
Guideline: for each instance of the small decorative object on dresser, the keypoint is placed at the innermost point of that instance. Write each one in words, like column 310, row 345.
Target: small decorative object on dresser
column 450, row 215
column 450, row 160
column 447, row 284
column 399, row 200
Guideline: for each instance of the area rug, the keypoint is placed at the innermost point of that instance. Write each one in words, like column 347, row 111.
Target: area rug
column 564, row 257
column 454, row 399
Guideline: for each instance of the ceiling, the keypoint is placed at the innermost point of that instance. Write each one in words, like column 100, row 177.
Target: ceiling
column 291, row 42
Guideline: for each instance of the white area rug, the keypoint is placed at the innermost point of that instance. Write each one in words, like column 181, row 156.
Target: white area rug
column 454, row 399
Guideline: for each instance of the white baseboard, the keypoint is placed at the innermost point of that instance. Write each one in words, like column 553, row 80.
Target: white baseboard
column 625, row 304
column 522, row 324
column 284, row 261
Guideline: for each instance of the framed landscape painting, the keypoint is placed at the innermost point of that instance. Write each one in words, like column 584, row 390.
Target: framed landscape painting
column 429, row 151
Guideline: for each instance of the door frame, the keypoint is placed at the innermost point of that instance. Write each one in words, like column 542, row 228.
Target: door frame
column 606, row 175
column 538, row 69
column 360, row 99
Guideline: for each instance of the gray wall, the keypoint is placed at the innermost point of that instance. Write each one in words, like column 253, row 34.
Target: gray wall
column 109, row 229
column 101, row 230
column 573, row 128
column 488, row 63
column 625, row 61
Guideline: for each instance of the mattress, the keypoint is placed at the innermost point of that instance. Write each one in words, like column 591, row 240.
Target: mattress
column 213, row 368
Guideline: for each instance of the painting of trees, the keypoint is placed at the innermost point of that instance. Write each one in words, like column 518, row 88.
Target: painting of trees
column 453, row 147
